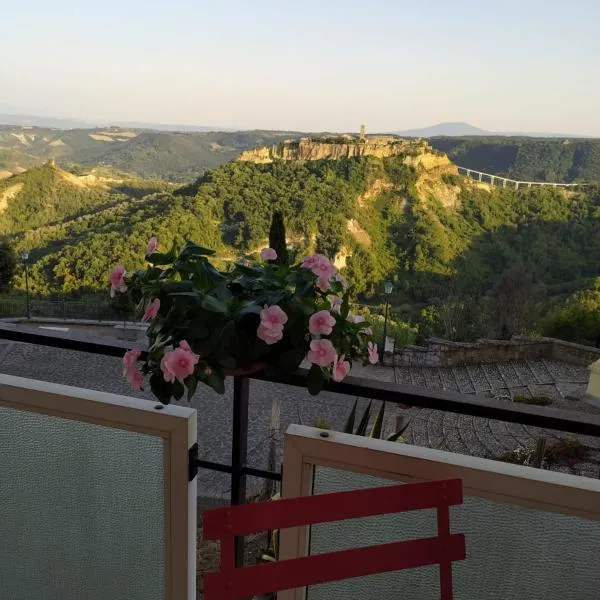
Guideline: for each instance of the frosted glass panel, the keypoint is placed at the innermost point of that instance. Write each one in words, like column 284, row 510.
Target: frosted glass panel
column 81, row 511
column 513, row 553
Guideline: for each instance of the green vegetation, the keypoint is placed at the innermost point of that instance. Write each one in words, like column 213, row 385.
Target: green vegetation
column 8, row 265
column 577, row 318
column 526, row 159
column 533, row 400
column 277, row 239
column 45, row 195
column 376, row 430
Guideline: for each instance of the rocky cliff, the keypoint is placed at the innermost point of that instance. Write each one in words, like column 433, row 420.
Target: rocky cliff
column 305, row 149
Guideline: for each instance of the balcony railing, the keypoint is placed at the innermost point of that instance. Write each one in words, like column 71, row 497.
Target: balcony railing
column 238, row 468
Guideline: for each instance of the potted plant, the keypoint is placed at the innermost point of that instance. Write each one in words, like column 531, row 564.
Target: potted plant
column 206, row 323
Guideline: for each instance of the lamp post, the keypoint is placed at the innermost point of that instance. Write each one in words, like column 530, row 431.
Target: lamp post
column 25, row 258
column 387, row 288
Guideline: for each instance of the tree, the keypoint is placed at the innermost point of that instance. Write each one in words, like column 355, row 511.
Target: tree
column 277, row 238
column 577, row 319
column 8, row 265
column 513, row 300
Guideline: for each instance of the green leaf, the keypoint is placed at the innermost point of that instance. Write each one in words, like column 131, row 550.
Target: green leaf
column 290, row 359
column 345, row 308
column 159, row 258
column 248, row 309
column 162, row 258
column 314, row 380
column 161, row 388
column 349, row 426
column 216, row 382
column 362, row 426
column 213, row 304
column 178, row 390
column 188, row 294
column 377, row 429
column 226, row 361
column 191, row 383
column 193, row 250
column 172, row 287
column 397, row 437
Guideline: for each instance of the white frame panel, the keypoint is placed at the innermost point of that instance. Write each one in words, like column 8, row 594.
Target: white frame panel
column 175, row 425
column 306, row 448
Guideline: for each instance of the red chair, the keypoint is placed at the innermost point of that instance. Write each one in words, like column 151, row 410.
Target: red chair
column 231, row 583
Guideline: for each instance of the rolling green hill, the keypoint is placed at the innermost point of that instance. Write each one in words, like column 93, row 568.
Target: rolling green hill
column 526, row 159
column 154, row 154
column 48, row 195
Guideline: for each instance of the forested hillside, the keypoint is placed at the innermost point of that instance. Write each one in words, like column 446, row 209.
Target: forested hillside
column 436, row 234
column 526, row 159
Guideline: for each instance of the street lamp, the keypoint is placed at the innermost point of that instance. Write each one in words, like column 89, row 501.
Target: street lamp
column 24, row 258
column 387, row 288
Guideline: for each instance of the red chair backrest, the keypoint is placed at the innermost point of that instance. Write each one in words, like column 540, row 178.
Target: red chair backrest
column 232, row 583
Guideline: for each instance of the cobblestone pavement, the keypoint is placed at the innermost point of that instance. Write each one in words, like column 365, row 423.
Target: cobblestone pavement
column 457, row 433
column 561, row 382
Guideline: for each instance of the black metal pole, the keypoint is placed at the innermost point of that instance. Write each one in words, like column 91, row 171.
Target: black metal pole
column 382, row 349
column 27, row 289
column 239, row 452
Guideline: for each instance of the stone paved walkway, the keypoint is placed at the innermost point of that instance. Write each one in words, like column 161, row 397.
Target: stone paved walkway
column 561, row 382
column 456, row 433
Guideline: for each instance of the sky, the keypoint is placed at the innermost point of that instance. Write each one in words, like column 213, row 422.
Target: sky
column 528, row 65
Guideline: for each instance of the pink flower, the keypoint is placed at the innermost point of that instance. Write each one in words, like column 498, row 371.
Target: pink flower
column 129, row 360
column 268, row 254
column 151, row 310
column 178, row 363
column 117, row 280
column 341, row 368
column 336, row 303
column 272, row 320
column 355, row 318
column 321, row 323
column 323, row 284
column 366, row 331
column 135, row 379
column 373, row 357
column 272, row 317
column 269, row 335
column 321, row 353
column 185, row 346
column 324, row 269
column 311, row 261
column 152, row 244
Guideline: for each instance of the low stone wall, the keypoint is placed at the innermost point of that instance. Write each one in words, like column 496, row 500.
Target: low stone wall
column 574, row 353
column 129, row 331
column 445, row 353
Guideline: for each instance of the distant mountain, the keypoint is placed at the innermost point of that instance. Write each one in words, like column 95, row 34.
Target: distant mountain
column 444, row 129
column 466, row 130
column 27, row 120
column 170, row 127
column 35, row 121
